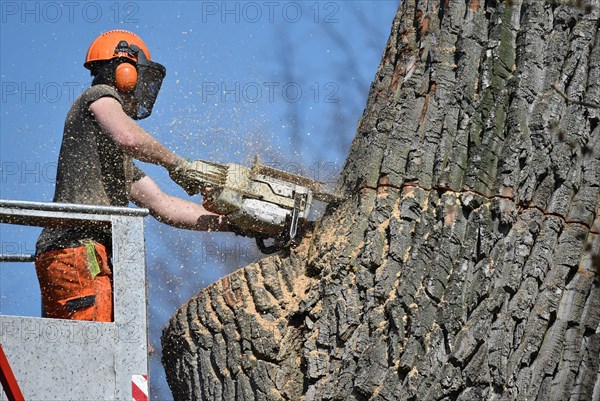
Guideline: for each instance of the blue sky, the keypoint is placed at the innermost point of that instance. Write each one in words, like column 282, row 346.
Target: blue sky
column 283, row 80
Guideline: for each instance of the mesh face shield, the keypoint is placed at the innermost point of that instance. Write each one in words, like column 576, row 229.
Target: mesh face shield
column 149, row 81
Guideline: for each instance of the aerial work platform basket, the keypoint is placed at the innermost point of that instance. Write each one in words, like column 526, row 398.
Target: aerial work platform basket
column 55, row 359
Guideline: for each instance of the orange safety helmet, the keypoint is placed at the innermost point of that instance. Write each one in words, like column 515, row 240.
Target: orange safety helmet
column 108, row 46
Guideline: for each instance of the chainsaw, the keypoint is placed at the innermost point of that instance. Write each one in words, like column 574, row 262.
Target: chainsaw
column 261, row 201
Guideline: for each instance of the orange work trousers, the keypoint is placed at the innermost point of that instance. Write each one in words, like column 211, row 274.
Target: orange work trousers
column 76, row 283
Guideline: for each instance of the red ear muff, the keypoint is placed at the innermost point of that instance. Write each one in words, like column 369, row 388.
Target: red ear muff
column 125, row 77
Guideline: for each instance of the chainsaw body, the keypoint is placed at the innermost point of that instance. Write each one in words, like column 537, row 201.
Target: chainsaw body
column 260, row 201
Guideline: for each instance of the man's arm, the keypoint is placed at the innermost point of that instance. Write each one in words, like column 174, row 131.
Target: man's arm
column 175, row 211
column 129, row 136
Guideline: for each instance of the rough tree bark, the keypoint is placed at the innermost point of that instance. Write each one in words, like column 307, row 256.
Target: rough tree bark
column 465, row 262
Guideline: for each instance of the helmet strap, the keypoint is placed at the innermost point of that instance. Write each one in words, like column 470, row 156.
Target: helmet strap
column 117, row 72
column 103, row 73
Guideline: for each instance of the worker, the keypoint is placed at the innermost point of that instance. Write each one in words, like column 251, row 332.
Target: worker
column 95, row 167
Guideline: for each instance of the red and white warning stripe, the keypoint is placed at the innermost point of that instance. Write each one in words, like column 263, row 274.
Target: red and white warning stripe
column 139, row 387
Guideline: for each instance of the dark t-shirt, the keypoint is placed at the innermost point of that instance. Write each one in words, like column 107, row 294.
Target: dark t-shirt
column 91, row 170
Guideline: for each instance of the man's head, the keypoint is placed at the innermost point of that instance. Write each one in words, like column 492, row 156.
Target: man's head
column 121, row 59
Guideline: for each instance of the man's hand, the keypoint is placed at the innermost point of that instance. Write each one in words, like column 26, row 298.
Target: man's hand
column 181, row 171
column 207, row 199
column 207, row 203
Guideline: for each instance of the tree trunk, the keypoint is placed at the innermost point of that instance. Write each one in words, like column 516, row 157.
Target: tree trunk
column 465, row 262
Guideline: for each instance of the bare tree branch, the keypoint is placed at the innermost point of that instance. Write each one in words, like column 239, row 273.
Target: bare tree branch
column 574, row 101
